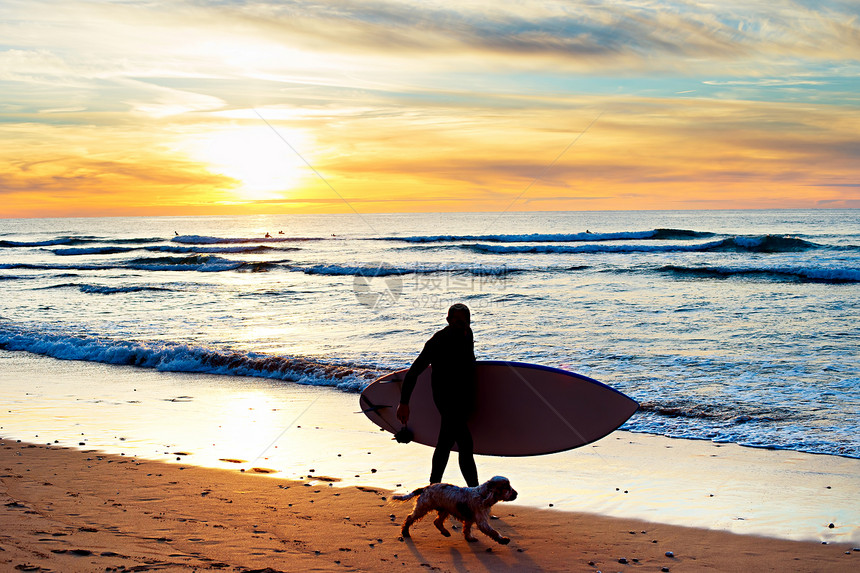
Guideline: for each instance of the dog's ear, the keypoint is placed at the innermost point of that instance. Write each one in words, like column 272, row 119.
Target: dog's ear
column 488, row 496
column 492, row 492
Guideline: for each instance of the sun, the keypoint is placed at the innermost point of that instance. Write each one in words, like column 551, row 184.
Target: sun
column 256, row 157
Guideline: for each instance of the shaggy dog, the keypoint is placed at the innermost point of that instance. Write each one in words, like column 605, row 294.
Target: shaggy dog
column 471, row 505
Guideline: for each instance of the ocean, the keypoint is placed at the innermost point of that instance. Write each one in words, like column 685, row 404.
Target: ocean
column 729, row 326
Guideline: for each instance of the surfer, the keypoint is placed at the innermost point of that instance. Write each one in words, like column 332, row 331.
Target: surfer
column 451, row 354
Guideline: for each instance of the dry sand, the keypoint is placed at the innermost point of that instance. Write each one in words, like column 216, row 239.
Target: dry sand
column 69, row 510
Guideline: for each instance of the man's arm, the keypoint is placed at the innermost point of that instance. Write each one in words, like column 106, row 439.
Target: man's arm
column 421, row 363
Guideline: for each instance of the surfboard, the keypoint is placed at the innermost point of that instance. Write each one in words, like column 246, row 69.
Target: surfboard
column 522, row 409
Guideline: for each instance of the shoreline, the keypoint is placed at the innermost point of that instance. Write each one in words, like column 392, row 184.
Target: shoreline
column 82, row 510
column 297, row 432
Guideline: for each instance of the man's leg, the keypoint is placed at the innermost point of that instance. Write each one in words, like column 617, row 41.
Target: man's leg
column 467, row 460
column 447, row 437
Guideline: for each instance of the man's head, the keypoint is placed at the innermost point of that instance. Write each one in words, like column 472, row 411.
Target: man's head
column 459, row 316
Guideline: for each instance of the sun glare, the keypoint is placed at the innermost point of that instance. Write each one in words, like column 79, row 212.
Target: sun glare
column 256, row 157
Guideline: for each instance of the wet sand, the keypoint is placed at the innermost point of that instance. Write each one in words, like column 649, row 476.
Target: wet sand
column 232, row 423
column 81, row 510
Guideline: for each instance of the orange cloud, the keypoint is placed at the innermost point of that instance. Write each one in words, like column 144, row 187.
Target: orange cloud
column 449, row 106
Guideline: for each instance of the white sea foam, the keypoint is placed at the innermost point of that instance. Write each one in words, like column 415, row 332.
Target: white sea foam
column 175, row 357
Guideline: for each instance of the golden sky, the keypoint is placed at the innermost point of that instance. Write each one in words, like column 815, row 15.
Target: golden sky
column 220, row 107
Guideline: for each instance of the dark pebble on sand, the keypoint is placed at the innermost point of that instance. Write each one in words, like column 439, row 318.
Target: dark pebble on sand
column 623, row 561
column 665, row 570
column 81, row 552
column 669, row 554
column 831, row 526
column 373, row 470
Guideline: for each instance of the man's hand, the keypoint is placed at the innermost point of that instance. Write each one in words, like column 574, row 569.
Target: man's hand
column 403, row 413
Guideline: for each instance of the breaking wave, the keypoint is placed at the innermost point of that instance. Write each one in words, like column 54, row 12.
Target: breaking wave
column 735, row 413
column 388, row 270
column 177, row 357
column 169, row 249
column 755, row 244
column 656, row 234
column 101, row 289
column 201, row 263
column 814, row 275
column 205, row 240
column 79, row 240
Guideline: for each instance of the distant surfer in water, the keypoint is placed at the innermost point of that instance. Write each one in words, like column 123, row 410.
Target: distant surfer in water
column 451, row 353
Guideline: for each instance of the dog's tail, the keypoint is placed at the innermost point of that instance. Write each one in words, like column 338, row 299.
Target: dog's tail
column 408, row 496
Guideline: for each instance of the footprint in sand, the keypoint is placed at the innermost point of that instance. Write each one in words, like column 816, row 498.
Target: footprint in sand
column 264, row 470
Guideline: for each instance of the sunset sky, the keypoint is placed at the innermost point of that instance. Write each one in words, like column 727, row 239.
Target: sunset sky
column 229, row 107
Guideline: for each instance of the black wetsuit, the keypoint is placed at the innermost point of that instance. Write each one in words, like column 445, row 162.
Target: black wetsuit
column 451, row 354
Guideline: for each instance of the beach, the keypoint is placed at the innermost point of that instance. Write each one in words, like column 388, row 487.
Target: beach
column 82, row 510
column 305, row 483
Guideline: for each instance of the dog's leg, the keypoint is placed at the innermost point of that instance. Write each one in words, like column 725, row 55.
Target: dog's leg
column 440, row 523
column 485, row 527
column 467, row 531
column 416, row 514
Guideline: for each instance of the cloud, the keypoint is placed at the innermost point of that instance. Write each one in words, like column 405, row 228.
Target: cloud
column 424, row 102
column 583, row 34
column 312, row 38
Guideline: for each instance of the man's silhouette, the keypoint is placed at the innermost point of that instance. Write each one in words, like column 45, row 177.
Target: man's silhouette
column 451, row 353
